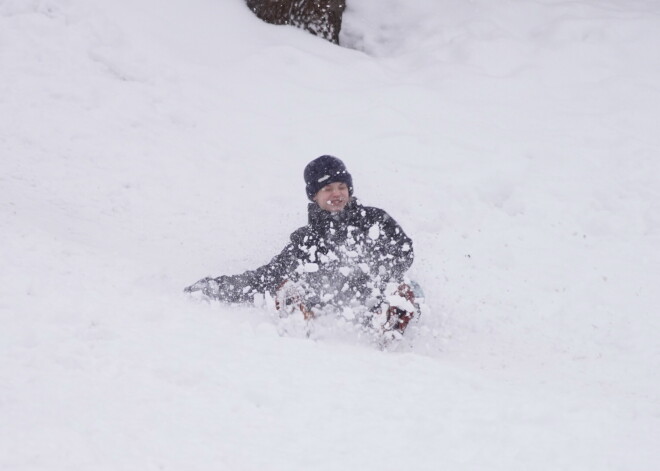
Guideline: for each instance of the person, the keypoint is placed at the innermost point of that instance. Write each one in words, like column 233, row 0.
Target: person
column 348, row 256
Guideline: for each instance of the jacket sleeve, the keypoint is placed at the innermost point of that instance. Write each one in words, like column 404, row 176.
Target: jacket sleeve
column 394, row 249
column 267, row 278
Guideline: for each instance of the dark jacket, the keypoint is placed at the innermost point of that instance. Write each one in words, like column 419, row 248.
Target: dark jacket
column 337, row 257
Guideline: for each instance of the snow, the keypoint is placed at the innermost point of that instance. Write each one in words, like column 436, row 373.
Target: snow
column 145, row 145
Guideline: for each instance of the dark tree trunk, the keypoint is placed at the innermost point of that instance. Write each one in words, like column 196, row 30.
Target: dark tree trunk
column 319, row 17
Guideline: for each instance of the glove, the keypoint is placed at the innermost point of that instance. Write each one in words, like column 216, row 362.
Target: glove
column 208, row 286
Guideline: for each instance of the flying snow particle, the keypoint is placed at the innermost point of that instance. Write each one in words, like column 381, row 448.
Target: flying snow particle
column 374, row 232
column 311, row 267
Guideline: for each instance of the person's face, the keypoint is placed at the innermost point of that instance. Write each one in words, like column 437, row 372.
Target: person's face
column 332, row 197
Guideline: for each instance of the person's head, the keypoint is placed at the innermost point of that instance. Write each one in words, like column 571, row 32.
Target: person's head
column 328, row 183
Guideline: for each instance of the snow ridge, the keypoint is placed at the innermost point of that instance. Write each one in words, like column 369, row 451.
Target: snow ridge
column 146, row 145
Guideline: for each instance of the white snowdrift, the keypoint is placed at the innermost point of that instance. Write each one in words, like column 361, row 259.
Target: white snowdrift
column 145, row 145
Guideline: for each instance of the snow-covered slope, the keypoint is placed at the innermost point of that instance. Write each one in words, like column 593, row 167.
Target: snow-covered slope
column 145, row 145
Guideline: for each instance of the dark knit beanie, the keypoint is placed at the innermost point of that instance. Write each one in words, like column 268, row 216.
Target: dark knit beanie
column 325, row 170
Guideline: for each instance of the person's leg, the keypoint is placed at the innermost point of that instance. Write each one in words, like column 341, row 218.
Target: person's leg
column 289, row 298
column 402, row 309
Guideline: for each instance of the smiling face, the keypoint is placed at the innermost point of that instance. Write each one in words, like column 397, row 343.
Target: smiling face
column 332, row 197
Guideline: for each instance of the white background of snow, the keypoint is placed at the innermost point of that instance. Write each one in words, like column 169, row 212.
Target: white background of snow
column 146, row 144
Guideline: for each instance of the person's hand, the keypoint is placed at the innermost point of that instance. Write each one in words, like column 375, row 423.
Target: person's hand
column 208, row 286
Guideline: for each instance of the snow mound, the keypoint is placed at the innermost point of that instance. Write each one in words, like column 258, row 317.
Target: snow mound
column 145, row 145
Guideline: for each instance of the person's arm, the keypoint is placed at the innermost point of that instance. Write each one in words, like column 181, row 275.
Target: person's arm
column 242, row 288
column 267, row 278
column 394, row 254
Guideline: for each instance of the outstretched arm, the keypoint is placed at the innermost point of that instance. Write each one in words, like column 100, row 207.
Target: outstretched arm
column 242, row 288
column 395, row 249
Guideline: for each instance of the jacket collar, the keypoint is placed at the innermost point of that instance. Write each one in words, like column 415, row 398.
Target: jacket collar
column 321, row 219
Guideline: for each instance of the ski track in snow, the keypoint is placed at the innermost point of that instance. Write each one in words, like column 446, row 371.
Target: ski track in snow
column 144, row 146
